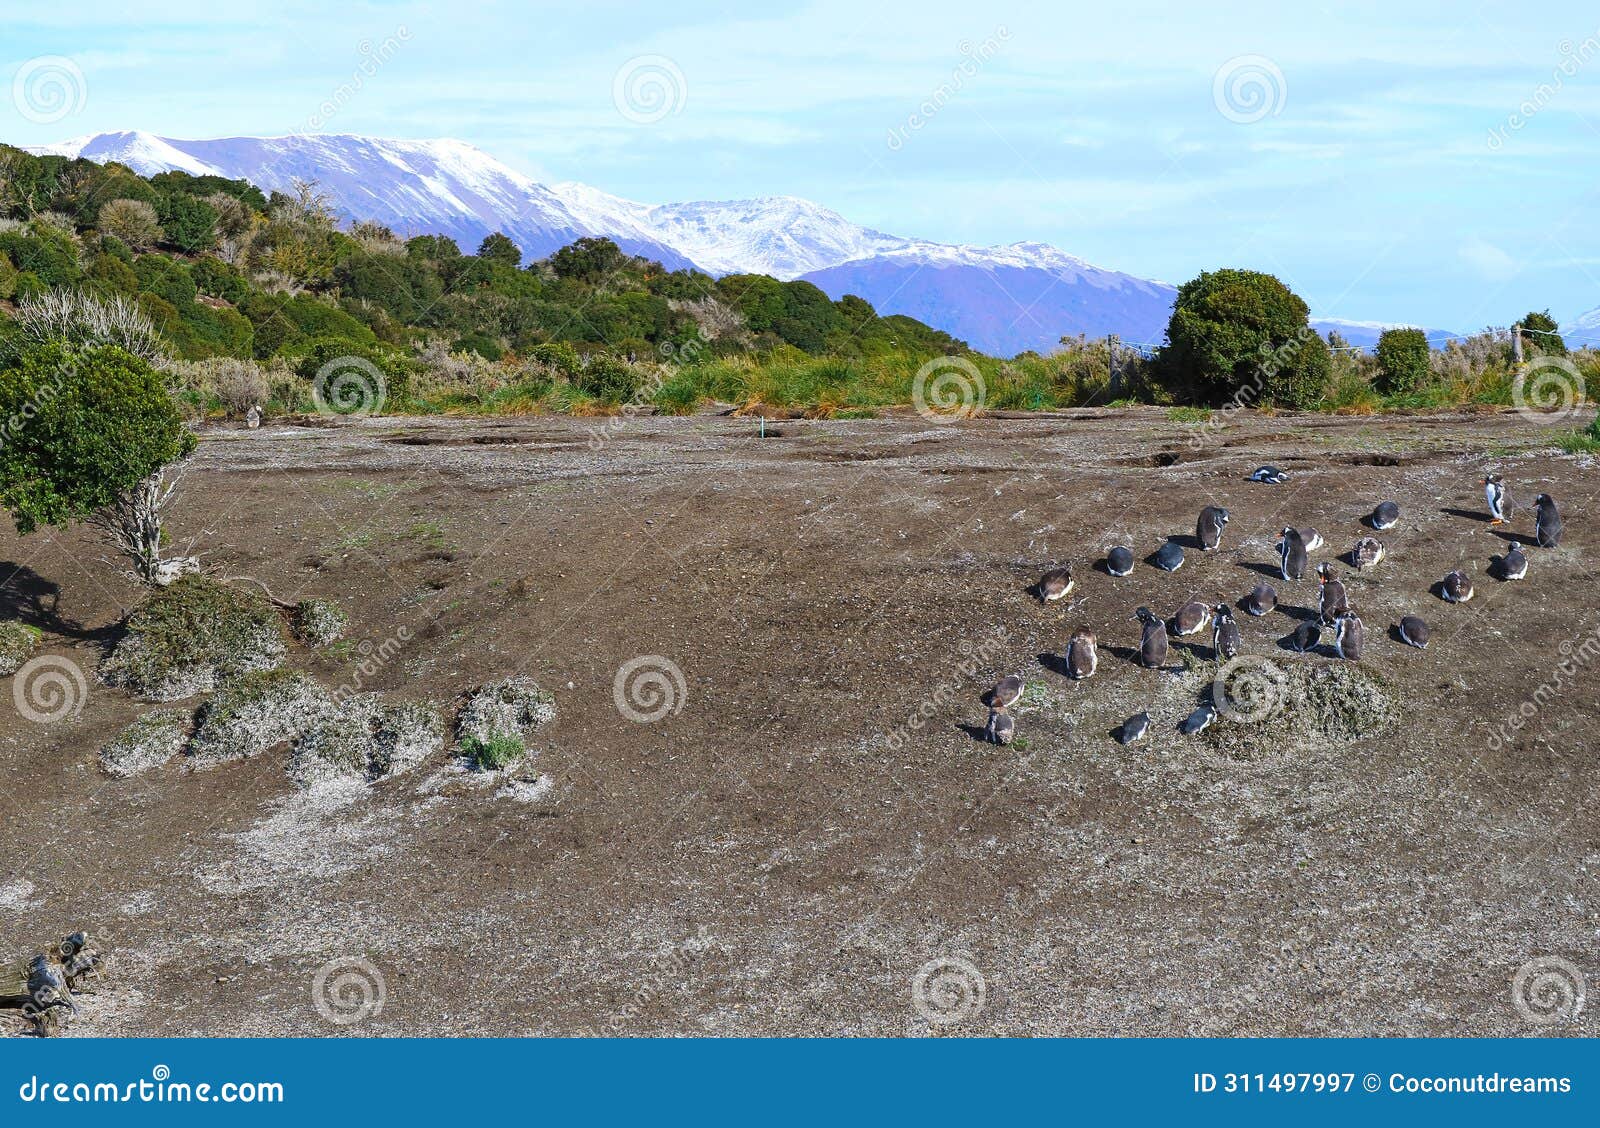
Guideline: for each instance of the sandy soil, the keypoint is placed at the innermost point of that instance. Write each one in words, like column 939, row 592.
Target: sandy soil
column 769, row 857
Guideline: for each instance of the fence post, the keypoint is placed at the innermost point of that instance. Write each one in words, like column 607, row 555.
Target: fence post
column 1516, row 343
column 1114, row 389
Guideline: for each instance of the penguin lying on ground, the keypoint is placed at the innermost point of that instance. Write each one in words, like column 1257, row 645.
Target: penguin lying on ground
column 1385, row 516
column 1056, row 583
column 1270, row 475
column 1262, row 599
column 1414, row 632
column 1119, row 561
column 1456, row 587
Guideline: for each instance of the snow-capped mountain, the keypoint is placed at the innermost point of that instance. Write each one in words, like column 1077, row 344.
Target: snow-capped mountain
column 1001, row 300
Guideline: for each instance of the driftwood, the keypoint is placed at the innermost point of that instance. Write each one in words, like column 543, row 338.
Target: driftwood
column 44, row 986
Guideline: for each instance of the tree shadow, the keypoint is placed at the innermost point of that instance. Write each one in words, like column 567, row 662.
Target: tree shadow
column 29, row 598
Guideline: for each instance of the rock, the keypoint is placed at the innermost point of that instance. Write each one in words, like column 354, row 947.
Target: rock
column 17, row 641
column 317, row 622
column 191, row 636
column 254, row 713
column 369, row 737
column 168, row 572
column 148, row 743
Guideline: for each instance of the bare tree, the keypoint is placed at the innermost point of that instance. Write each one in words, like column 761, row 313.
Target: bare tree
column 132, row 525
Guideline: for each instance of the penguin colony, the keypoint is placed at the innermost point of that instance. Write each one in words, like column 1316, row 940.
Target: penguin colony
column 1334, row 612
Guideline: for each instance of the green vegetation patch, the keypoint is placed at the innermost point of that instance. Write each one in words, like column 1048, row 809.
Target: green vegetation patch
column 17, row 642
column 254, row 713
column 318, row 622
column 499, row 719
column 367, row 737
column 147, row 743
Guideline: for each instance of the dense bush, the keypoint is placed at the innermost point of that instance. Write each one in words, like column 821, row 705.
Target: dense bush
column 1403, row 360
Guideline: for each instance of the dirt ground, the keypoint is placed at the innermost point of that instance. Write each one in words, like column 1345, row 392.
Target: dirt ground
column 813, row 839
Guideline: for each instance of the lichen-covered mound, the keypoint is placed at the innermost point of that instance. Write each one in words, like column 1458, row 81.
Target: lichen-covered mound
column 148, row 743
column 190, row 637
column 1292, row 709
column 368, row 737
column 254, row 713
column 513, row 707
column 317, row 622
column 17, row 641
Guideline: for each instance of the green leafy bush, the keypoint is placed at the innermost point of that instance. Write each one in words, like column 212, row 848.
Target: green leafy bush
column 494, row 753
column 1402, row 360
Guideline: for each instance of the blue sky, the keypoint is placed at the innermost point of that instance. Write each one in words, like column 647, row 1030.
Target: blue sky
column 1366, row 153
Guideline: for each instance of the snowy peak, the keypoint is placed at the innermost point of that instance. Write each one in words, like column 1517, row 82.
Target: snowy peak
column 145, row 153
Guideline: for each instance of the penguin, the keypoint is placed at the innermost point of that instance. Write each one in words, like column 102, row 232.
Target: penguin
column 1083, row 655
column 1198, row 721
column 1224, row 633
column 1007, row 691
column 1262, row 599
column 1292, row 565
column 1494, row 492
column 1169, row 557
column 1153, row 639
column 1514, row 564
column 1312, row 539
column 1119, row 561
column 1056, row 584
column 1547, row 525
column 1456, row 587
column 1270, row 475
column 1367, row 554
column 1414, row 632
column 1190, row 619
column 1208, row 529
column 1134, row 728
column 1002, row 727
column 252, row 418
column 1385, row 516
column 1350, row 636
column 1306, row 637
column 1334, row 599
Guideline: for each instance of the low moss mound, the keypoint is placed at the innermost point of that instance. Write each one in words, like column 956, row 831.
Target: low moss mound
column 254, row 713
column 17, row 642
column 368, row 737
column 149, row 742
column 318, row 622
column 500, row 715
column 191, row 636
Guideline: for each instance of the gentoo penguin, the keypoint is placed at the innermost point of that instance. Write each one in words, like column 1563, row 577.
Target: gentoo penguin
column 1292, row 549
column 1333, row 596
column 1312, row 539
column 1153, row 639
column 1083, row 656
column 1271, row 475
column 1001, row 728
column 1350, row 637
column 252, row 418
column 1169, row 557
column 1386, row 516
column 1494, row 492
column 1224, row 633
column 1414, row 632
column 1262, row 599
column 1306, row 636
column 1119, row 561
column 1547, row 526
column 1133, row 728
column 1199, row 720
column 1208, row 529
column 1367, row 554
column 1055, row 584
column 1514, row 564
column 1456, row 587
column 1007, row 691
column 1190, row 619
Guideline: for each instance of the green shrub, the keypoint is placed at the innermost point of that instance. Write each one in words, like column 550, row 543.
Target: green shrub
column 17, row 641
column 608, row 380
column 496, row 752
column 190, row 636
column 1402, row 360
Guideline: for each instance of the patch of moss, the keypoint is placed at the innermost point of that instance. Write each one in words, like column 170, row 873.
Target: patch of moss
column 367, row 736
column 17, row 641
column 511, row 707
column 149, row 742
column 494, row 753
column 190, row 636
column 254, row 713
column 318, row 622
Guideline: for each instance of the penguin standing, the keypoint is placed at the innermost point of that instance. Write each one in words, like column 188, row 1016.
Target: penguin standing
column 1292, row 552
column 1119, row 561
column 1083, row 655
column 1056, row 584
column 1514, row 564
column 1367, row 554
column 1456, row 587
column 1350, row 637
column 1547, row 525
column 1208, row 529
column 1385, row 516
column 1190, row 619
column 1494, row 493
column 1224, row 633
column 1333, row 598
column 1414, row 632
column 1002, row 726
column 1169, row 557
column 1153, row 639
column 1262, row 599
